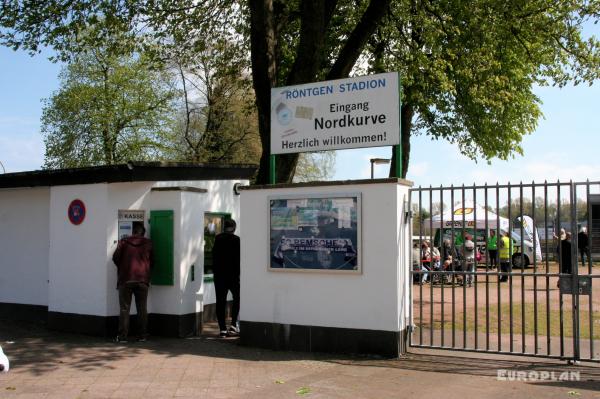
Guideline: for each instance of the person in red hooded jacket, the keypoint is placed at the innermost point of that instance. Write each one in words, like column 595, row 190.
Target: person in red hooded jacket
column 133, row 258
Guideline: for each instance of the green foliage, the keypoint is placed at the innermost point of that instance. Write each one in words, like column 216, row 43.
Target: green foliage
column 468, row 68
column 217, row 120
column 315, row 166
column 160, row 28
column 219, row 128
column 109, row 109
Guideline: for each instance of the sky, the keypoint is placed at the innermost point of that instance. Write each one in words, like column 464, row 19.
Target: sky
column 565, row 145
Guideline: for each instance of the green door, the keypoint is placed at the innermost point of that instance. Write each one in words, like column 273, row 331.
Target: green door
column 161, row 233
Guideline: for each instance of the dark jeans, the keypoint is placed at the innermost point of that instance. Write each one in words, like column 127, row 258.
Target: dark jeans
column 140, row 292
column 506, row 267
column 583, row 253
column 493, row 253
column 222, row 286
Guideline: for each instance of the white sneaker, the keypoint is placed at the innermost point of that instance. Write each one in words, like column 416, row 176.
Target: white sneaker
column 233, row 330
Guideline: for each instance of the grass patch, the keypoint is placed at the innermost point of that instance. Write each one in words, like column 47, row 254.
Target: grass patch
column 542, row 330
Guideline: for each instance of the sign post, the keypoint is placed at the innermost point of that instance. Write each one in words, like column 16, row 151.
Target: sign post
column 272, row 174
column 398, row 147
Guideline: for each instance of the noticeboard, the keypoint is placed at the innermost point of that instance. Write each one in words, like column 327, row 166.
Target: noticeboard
column 319, row 233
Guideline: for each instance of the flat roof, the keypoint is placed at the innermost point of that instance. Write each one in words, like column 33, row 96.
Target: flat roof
column 129, row 172
column 386, row 180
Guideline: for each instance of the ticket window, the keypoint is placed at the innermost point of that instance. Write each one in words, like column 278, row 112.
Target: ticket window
column 128, row 219
column 162, row 233
column 213, row 225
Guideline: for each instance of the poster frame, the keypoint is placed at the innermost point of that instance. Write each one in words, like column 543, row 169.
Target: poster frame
column 358, row 244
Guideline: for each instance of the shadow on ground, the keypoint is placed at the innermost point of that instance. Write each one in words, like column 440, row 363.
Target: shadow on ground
column 31, row 346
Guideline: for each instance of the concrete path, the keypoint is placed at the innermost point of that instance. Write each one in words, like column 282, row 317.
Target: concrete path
column 54, row 365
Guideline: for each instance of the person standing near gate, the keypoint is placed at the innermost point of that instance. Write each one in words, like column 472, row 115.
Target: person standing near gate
column 566, row 265
column 226, row 266
column 468, row 267
column 582, row 244
column 505, row 254
column 492, row 248
column 133, row 258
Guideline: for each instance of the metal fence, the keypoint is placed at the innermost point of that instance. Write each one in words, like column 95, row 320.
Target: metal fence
column 537, row 300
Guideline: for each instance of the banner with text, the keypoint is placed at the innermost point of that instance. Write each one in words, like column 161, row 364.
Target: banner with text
column 336, row 114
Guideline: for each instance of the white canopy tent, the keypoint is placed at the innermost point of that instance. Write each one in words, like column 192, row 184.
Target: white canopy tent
column 474, row 216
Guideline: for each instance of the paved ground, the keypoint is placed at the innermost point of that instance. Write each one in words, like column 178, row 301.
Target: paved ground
column 54, row 365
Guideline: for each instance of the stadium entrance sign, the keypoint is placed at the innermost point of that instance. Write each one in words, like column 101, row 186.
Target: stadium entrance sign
column 337, row 114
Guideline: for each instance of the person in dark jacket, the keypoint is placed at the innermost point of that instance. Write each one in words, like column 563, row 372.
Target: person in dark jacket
column 133, row 258
column 565, row 254
column 226, row 269
column 582, row 244
column 449, row 252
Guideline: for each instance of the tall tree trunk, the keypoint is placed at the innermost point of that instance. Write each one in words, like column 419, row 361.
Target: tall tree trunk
column 315, row 17
column 406, row 116
column 262, row 46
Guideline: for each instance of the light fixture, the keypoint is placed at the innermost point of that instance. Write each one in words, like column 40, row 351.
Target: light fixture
column 378, row 161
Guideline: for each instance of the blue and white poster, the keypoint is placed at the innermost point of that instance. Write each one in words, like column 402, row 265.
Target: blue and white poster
column 315, row 233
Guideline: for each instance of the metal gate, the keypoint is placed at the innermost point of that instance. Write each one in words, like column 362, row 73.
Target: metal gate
column 533, row 295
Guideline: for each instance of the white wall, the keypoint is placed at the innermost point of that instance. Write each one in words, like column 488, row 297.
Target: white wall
column 133, row 195
column 191, row 249
column 24, row 242
column 404, row 264
column 77, row 256
column 370, row 300
column 46, row 260
column 185, row 296
column 219, row 198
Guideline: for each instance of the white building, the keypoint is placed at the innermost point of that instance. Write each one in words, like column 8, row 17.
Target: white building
column 59, row 228
column 351, row 302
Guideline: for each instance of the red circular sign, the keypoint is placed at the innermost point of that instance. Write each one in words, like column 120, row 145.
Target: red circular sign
column 76, row 212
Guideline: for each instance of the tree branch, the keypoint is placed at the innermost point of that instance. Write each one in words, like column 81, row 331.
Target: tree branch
column 358, row 38
column 315, row 18
column 186, row 132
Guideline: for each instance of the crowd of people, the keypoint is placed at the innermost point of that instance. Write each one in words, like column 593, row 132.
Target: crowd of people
column 458, row 261
column 460, row 256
